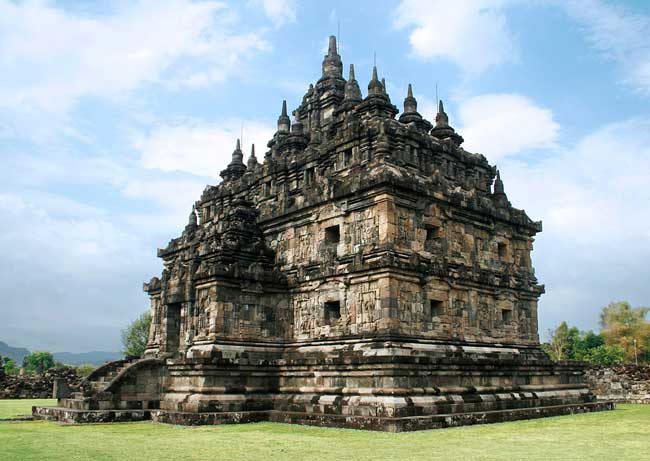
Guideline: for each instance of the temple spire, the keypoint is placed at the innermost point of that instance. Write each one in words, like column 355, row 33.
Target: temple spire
column 332, row 65
column 284, row 123
column 192, row 222
column 352, row 91
column 499, row 193
column 410, row 103
column 411, row 114
column 375, row 87
column 377, row 102
column 331, row 48
column 252, row 160
column 442, row 130
column 237, row 156
column 236, row 167
column 498, row 185
column 442, row 120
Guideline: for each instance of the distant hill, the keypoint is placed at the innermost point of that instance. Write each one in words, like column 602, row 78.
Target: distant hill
column 67, row 358
column 83, row 358
column 15, row 353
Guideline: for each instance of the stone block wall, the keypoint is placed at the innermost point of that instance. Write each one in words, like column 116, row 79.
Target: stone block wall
column 341, row 306
column 624, row 383
column 233, row 311
column 36, row 386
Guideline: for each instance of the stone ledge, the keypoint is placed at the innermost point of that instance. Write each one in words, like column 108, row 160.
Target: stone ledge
column 71, row 416
column 212, row 418
column 372, row 423
column 417, row 423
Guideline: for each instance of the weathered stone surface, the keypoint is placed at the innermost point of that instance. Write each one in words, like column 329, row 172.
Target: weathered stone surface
column 623, row 383
column 37, row 386
column 369, row 273
column 71, row 416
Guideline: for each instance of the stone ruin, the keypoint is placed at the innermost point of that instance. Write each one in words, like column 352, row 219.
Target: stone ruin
column 620, row 383
column 37, row 386
column 367, row 273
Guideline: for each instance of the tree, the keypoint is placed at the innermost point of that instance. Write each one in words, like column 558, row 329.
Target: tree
column 624, row 329
column 134, row 337
column 627, row 327
column 85, row 370
column 558, row 345
column 606, row 355
column 38, row 362
column 9, row 366
column 592, row 340
column 622, row 315
column 569, row 343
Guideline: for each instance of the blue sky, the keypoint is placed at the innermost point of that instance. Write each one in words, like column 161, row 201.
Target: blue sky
column 115, row 115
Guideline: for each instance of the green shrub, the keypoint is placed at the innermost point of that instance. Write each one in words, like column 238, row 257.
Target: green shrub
column 85, row 370
column 38, row 362
column 134, row 337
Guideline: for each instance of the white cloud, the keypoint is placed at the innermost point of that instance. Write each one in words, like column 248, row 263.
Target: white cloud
column 590, row 192
column 200, row 148
column 619, row 35
column 50, row 58
column 499, row 125
column 69, row 273
column 168, row 193
column 280, row 12
column 74, row 259
column 61, row 166
column 593, row 199
column 473, row 33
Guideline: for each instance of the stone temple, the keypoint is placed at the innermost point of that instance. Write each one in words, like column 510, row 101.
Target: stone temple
column 367, row 272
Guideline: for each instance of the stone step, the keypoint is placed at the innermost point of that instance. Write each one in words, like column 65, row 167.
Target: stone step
column 100, row 383
column 75, row 404
column 86, row 404
column 73, row 416
column 108, row 377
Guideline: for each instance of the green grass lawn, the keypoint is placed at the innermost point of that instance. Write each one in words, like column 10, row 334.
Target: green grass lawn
column 10, row 409
column 621, row 434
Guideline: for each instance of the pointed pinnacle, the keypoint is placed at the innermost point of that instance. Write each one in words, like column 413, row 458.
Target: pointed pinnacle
column 331, row 49
column 252, row 160
column 441, row 109
column 284, row 108
column 238, row 147
column 351, row 74
column 192, row 218
column 374, row 73
column 409, row 93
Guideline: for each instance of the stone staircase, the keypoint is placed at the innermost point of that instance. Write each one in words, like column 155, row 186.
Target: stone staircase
column 95, row 394
column 111, row 393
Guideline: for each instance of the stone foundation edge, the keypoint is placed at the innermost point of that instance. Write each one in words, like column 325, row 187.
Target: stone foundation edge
column 371, row 423
column 70, row 416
